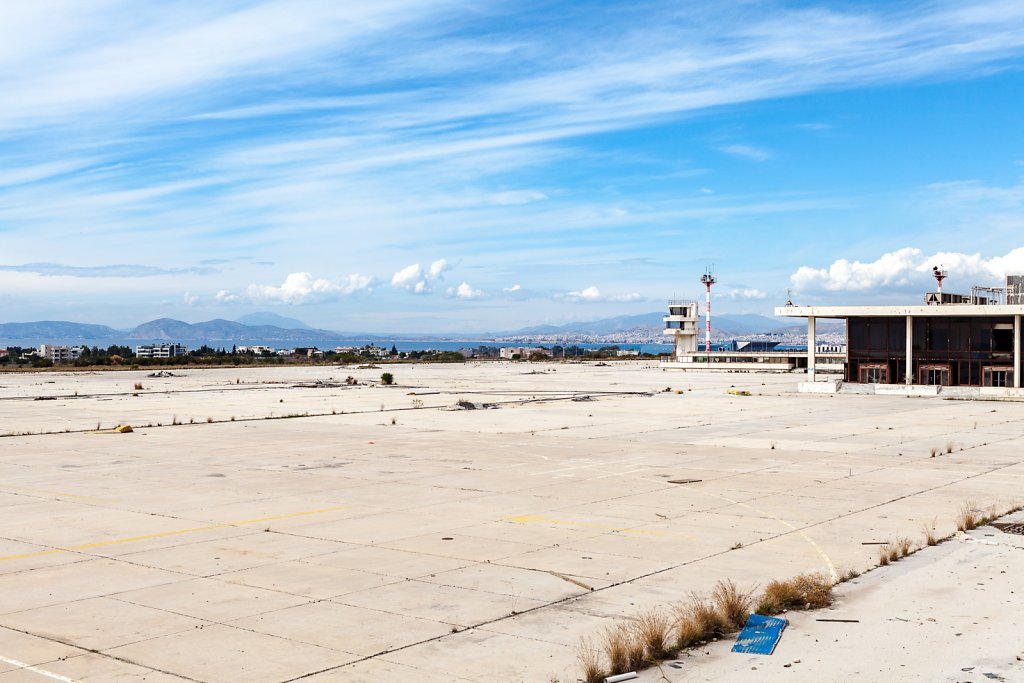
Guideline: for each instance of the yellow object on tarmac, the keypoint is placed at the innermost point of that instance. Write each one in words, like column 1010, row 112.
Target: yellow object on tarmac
column 119, row 429
column 739, row 392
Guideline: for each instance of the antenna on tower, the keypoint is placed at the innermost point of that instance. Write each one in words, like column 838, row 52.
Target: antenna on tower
column 708, row 278
column 939, row 274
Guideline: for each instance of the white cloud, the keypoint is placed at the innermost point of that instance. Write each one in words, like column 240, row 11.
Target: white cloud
column 225, row 297
column 513, row 288
column 407, row 277
column 301, row 288
column 436, row 269
column 589, row 294
column 417, row 279
column 749, row 293
column 632, row 296
column 905, row 268
column 465, row 291
column 191, row 299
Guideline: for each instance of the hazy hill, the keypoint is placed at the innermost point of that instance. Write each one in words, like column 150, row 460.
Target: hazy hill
column 728, row 325
column 56, row 329
column 273, row 320
column 224, row 330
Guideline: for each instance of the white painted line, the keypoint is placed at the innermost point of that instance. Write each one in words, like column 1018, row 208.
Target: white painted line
column 35, row 669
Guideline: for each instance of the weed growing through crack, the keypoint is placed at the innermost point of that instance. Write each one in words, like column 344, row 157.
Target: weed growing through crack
column 590, row 662
column 968, row 517
column 732, row 603
column 929, row 533
column 934, row 451
column 807, row 591
column 653, row 629
column 949, row 447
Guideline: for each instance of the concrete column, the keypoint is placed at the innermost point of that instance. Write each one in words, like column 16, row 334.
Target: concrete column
column 1016, row 352
column 909, row 378
column 811, row 334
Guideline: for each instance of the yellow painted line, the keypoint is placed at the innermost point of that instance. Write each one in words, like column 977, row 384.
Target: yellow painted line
column 541, row 519
column 63, row 494
column 164, row 534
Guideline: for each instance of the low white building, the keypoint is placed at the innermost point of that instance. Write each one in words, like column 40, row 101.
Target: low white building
column 510, row 352
column 160, row 350
column 60, row 354
column 258, row 350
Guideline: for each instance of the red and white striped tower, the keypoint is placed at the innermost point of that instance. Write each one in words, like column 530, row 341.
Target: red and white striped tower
column 708, row 279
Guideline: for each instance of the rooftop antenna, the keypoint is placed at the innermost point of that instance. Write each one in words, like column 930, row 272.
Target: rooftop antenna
column 708, row 278
column 789, row 296
column 939, row 274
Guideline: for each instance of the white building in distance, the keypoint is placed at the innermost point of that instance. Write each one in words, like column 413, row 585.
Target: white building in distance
column 60, row 354
column 160, row 350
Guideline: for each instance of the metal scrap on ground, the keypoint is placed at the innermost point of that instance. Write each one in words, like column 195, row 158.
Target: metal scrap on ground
column 760, row 635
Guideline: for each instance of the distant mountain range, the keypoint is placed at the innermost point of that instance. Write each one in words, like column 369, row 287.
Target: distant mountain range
column 724, row 325
column 259, row 327
column 269, row 327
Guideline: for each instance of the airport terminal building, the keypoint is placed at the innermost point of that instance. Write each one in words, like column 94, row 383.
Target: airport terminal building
column 949, row 341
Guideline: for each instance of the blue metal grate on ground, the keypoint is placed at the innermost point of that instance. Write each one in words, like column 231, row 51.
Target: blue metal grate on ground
column 760, row 635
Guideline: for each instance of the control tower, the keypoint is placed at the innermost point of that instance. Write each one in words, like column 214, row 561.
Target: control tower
column 681, row 322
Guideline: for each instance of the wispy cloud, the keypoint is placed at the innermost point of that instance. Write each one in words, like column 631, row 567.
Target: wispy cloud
column 749, row 152
column 117, row 270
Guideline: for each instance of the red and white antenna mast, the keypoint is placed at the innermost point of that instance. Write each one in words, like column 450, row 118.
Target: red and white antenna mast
column 708, row 279
column 939, row 274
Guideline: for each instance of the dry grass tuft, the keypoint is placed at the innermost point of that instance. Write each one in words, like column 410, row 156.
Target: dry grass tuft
column 590, row 662
column 698, row 621
column 653, row 629
column 949, row 447
column 968, row 517
column 624, row 651
column 929, row 533
column 138, row 386
column 732, row 603
column 886, row 554
column 807, row 591
column 849, row 575
column 904, row 546
column 934, row 451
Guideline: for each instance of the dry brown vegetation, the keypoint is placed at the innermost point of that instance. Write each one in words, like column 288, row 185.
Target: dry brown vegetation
column 969, row 517
column 655, row 636
column 807, row 591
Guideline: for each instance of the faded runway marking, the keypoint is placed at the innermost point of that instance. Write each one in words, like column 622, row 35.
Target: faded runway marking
column 163, row 534
column 36, row 669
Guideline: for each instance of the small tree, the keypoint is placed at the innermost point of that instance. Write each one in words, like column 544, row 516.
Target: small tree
column 387, row 378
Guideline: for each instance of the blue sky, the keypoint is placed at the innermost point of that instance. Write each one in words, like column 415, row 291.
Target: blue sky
column 463, row 166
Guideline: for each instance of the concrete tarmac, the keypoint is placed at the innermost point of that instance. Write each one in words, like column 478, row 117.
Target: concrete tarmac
column 277, row 524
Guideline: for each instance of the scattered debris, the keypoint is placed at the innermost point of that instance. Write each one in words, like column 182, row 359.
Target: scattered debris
column 470, row 405
column 120, row 429
column 628, row 676
column 163, row 373
column 739, row 392
column 760, row 635
column 685, row 481
column 583, row 398
column 841, row 621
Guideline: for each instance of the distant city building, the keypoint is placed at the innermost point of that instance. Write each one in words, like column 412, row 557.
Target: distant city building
column 510, row 352
column 306, row 352
column 160, row 350
column 258, row 350
column 60, row 354
column 4, row 353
